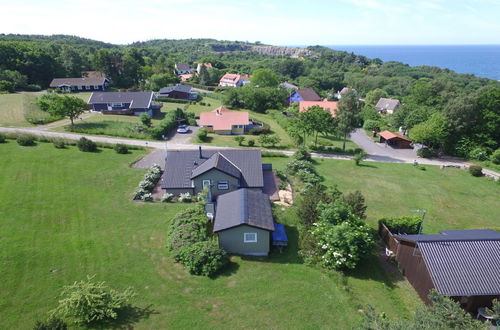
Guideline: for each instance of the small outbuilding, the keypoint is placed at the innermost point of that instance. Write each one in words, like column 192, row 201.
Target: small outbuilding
column 244, row 222
column 178, row 91
column 460, row 264
column 395, row 140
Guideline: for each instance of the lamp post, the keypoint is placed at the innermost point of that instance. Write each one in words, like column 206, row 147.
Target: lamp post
column 423, row 212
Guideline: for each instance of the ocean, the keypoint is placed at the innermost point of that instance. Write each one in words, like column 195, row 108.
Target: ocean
column 481, row 60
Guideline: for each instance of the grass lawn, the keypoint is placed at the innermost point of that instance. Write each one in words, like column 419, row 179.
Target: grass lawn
column 11, row 110
column 66, row 214
column 452, row 197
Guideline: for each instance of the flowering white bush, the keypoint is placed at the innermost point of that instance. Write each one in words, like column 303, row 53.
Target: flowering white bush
column 341, row 246
column 167, row 197
column 185, row 198
column 149, row 181
column 147, row 197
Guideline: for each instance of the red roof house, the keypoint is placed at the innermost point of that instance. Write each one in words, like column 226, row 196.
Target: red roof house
column 234, row 80
column 225, row 121
column 331, row 106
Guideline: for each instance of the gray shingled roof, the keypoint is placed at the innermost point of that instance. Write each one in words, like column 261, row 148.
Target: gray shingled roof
column 138, row 100
column 387, row 104
column 179, row 166
column 243, row 206
column 217, row 161
column 308, row 94
column 462, row 262
column 86, row 81
column 182, row 66
column 178, row 88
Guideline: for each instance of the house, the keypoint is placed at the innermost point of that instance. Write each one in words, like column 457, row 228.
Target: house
column 306, row 94
column 287, row 85
column 344, row 91
column 178, row 91
column 84, row 84
column 244, row 222
column 186, row 77
column 460, row 264
column 331, row 106
column 223, row 171
column 124, row 103
column 182, row 68
column 387, row 105
column 234, row 80
column 207, row 65
column 225, row 121
column 394, row 139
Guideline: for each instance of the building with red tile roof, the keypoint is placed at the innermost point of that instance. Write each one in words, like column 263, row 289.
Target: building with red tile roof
column 234, row 80
column 225, row 121
column 331, row 106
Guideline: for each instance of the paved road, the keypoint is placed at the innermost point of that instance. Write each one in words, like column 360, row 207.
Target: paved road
column 375, row 155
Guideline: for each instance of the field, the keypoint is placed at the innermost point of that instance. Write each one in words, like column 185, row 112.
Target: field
column 66, row 214
column 452, row 197
column 14, row 108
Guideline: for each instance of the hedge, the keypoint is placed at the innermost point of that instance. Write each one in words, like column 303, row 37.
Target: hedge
column 405, row 224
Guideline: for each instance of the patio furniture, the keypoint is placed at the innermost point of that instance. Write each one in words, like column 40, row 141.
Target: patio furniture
column 481, row 312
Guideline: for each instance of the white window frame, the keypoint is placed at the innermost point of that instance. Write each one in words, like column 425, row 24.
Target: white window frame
column 223, row 185
column 206, row 183
column 87, row 87
column 96, row 87
column 249, row 240
column 79, row 87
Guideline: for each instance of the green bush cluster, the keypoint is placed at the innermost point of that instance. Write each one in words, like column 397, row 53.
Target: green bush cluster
column 86, row 145
column 273, row 154
column 426, row 153
column 121, row 148
column 26, row 140
column 302, row 154
column 479, row 153
column 405, row 224
column 164, row 126
column 59, row 144
column 251, row 143
column 476, row 170
column 202, row 134
column 495, row 157
column 304, row 170
column 2, row 138
column 372, row 125
column 189, row 242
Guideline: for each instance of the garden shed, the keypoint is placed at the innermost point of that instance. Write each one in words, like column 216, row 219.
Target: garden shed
column 395, row 139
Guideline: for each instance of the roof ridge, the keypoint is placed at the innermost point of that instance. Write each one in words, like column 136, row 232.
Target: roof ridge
column 239, row 169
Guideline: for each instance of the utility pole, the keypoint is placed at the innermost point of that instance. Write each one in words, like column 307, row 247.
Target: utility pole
column 422, row 212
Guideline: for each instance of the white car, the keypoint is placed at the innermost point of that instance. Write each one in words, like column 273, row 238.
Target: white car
column 183, row 129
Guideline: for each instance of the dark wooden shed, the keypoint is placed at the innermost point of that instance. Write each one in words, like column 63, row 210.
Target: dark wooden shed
column 394, row 139
column 461, row 264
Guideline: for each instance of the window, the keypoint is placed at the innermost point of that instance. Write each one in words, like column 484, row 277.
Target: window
column 250, row 237
column 87, row 87
column 79, row 87
column 223, row 185
column 96, row 87
column 206, row 183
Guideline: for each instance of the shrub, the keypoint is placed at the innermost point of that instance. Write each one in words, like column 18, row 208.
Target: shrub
column 185, row 198
column 426, row 153
column 476, row 170
column 273, row 154
column 26, row 140
column 297, row 165
column 121, row 148
column 86, row 145
column 302, row 154
column 187, row 227
column 59, row 144
column 372, row 125
column 145, row 119
column 357, row 203
column 406, row 224
column 479, row 153
column 192, row 122
column 202, row 134
column 2, row 138
column 239, row 139
column 52, row 323
column 495, row 157
column 251, row 143
column 359, row 157
column 203, row 258
column 147, row 197
column 167, row 197
column 87, row 302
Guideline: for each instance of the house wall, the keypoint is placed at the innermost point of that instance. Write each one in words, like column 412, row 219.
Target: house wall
column 413, row 267
column 214, row 176
column 176, row 95
column 295, row 97
column 232, row 241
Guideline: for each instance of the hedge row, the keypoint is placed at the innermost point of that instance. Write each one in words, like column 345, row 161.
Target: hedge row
column 147, row 184
column 402, row 225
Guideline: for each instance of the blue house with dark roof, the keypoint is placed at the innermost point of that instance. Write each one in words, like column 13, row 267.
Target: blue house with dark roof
column 461, row 264
column 124, row 103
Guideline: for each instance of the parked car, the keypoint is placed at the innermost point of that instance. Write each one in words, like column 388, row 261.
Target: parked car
column 183, row 129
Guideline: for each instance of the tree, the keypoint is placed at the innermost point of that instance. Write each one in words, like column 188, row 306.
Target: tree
column 348, row 114
column 145, row 119
column 87, row 302
column 203, row 76
column 239, row 139
column 160, row 80
column 489, row 106
column 373, row 96
column 462, row 114
column 65, row 106
column 356, row 202
column 432, row 132
column 264, row 78
column 359, row 157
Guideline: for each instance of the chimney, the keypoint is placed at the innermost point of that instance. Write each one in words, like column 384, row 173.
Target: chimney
column 199, row 149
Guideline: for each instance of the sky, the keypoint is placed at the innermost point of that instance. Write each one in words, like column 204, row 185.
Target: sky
column 277, row 22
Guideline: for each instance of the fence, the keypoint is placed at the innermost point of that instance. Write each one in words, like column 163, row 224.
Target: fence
column 385, row 234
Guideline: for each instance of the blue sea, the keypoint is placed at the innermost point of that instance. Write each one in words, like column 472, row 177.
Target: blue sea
column 481, row 60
